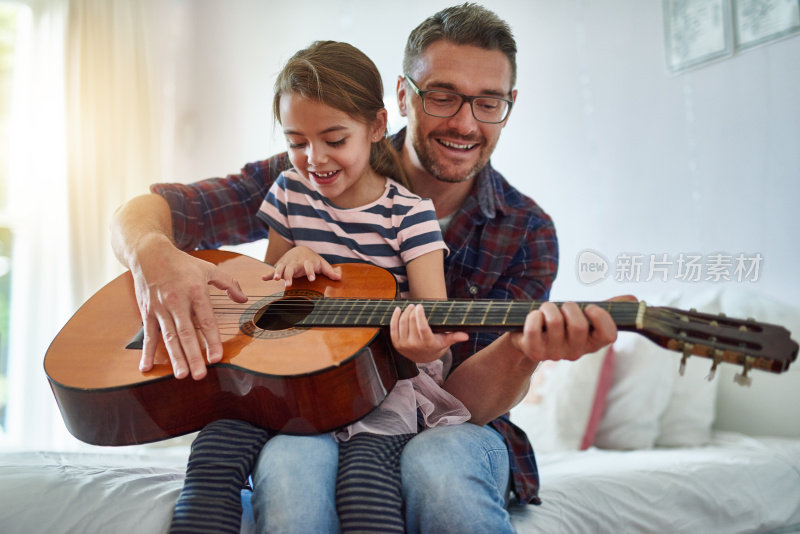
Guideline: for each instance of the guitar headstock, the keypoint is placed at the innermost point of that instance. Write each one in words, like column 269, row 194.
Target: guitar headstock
column 748, row 343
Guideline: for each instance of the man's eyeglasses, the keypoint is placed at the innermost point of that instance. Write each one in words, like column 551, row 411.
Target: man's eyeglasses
column 444, row 104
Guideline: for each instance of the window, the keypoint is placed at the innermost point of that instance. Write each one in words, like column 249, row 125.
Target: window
column 8, row 32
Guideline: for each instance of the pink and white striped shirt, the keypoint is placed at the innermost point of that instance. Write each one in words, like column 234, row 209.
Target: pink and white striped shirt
column 389, row 232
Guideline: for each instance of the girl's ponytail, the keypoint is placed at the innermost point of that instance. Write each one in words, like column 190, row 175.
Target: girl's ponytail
column 385, row 160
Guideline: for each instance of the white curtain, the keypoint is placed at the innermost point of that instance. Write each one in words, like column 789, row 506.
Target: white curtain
column 112, row 141
column 85, row 141
column 37, row 189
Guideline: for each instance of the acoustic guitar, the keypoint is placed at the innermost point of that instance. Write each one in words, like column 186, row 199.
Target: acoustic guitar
column 313, row 357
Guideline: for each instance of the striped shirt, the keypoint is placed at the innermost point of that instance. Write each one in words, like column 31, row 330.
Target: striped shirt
column 502, row 246
column 388, row 232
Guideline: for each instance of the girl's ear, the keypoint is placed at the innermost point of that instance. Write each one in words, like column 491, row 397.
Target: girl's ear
column 378, row 128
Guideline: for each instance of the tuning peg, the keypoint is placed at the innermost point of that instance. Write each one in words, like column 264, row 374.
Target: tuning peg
column 687, row 351
column 717, row 358
column 712, row 372
column 741, row 378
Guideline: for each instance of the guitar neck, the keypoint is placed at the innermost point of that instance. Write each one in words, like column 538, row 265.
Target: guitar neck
column 743, row 342
column 462, row 315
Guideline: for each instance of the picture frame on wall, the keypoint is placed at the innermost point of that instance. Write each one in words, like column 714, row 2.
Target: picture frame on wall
column 760, row 21
column 696, row 32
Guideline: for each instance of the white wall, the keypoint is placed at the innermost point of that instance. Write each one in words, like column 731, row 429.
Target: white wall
column 626, row 157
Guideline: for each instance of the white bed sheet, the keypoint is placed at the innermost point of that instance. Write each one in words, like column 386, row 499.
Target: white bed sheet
column 735, row 484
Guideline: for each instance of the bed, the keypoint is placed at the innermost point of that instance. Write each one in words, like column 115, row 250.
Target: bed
column 623, row 444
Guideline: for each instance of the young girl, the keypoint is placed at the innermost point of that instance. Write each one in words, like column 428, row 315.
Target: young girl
column 344, row 201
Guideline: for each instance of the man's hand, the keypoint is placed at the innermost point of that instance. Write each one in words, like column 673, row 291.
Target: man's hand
column 172, row 292
column 553, row 333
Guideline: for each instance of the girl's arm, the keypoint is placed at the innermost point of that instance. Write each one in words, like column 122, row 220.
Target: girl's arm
column 411, row 335
column 289, row 261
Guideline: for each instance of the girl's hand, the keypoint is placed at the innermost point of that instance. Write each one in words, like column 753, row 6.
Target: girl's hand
column 413, row 338
column 301, row 261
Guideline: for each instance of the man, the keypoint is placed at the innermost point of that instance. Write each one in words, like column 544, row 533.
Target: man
column 457, row 91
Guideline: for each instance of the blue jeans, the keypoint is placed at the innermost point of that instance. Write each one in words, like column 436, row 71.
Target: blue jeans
column 455, row 479
column 294, row 485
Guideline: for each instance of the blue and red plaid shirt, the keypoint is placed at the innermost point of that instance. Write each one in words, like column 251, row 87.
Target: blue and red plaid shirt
column 502, row 246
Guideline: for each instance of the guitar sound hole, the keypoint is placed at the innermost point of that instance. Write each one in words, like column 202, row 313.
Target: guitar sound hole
column 283, row 313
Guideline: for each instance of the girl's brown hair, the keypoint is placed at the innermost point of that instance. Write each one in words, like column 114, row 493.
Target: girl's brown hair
column 341, row 76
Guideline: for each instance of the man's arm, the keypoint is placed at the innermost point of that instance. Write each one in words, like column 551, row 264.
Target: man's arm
column 496, row 378
column 493, row 372
column 171, row 286
column 149, row 233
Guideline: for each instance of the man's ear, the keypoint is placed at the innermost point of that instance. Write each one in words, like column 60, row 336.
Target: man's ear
column 514, row 99
column 401, row 95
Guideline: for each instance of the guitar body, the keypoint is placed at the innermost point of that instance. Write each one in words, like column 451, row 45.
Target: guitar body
column 287, row 379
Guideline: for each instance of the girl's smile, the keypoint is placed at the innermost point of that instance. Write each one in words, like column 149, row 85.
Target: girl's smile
column 324, row 178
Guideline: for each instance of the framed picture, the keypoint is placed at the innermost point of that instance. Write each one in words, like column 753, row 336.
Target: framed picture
column 759, row 21
column 696, row 31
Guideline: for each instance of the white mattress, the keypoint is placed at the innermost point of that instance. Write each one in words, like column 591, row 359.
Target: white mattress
column 735, row 484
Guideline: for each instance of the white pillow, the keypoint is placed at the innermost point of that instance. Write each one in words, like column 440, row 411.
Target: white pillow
column 648, row 403
column 687, row 420
column 565, row 402
column 640, row 392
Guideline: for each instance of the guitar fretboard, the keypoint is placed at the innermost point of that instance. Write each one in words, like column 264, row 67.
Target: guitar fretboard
column 446, row 314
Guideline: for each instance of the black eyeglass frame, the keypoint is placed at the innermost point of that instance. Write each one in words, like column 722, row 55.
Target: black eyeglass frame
column 464, row 98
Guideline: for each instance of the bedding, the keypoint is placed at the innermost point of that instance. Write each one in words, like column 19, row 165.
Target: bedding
column 735, row 483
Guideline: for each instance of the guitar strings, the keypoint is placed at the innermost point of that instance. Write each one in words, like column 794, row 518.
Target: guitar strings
column 491, row 311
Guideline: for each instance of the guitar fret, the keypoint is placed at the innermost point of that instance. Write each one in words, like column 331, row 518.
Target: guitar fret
column 486, row 314
column 446, row 318
column 466, row 312
column 521, row 310
column 320, row 314
column 370, row 317
column 343, row 313
column 388, row 311
column 433, row 312
column 360, row 312
column 508, row 310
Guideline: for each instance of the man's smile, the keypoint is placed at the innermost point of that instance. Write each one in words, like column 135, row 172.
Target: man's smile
column 457, row 146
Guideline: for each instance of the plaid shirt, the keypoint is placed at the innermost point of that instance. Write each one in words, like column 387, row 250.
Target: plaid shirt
column 502, row 246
